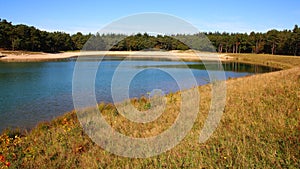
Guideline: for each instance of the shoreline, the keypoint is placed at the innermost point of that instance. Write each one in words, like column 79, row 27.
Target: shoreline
column 260, row 117
column 172, row 55
column 233, row 57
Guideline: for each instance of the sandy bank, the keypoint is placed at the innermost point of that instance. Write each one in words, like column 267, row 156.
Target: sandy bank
column 172, row 55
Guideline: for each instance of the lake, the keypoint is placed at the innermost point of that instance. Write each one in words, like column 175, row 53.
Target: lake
column 40, row 91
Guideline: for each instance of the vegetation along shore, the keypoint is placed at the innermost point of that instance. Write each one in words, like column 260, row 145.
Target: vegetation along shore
column 29, row 38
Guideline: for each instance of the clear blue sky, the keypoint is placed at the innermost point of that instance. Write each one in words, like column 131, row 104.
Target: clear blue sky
column 72, row 16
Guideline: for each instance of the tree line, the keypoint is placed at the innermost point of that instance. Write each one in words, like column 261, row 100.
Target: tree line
column 285, row 42
column 29, row 38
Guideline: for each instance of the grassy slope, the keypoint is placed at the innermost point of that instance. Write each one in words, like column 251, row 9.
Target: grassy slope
column 259, row 128
column 278, row 61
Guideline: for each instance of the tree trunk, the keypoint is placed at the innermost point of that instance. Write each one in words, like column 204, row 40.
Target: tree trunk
column 233, row 49
column 236, row 47
column 257, row 47
column 220, row 48
column 273, row 48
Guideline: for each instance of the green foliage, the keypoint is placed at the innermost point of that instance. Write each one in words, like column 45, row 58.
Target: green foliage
column 28, row 38
column 284, row 42
column 146, row 42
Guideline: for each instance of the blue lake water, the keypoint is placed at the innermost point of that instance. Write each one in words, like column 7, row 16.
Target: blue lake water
column 41, row 91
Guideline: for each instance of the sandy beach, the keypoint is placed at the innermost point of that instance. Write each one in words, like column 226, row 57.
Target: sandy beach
column 10, row 56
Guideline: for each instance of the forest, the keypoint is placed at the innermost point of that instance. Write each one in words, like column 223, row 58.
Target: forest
column 29, row 38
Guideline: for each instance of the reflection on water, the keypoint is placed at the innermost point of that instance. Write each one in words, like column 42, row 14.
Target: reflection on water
column 226, row 66
column 33, row 92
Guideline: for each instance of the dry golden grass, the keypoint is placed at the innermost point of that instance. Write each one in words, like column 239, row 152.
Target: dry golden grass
column 260, row 128
column 278, row 61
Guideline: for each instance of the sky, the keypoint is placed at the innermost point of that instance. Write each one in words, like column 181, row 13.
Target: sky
column 87, row 16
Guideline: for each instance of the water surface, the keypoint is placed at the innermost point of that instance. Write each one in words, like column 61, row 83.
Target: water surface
column 40, row 91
